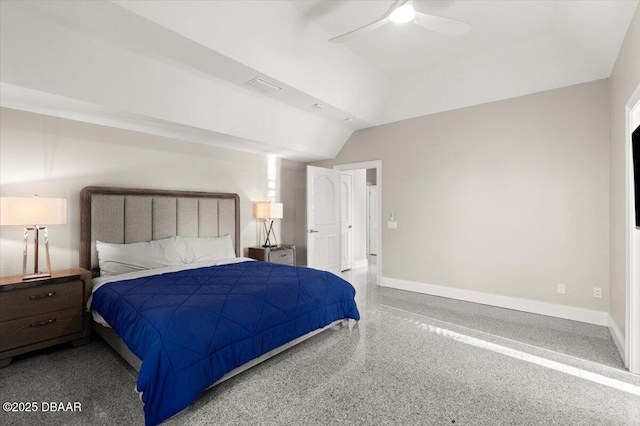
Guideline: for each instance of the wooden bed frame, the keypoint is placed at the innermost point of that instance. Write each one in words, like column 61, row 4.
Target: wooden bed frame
column 87, row 259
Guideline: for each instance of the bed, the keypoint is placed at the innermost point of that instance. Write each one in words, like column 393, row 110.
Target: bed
column 186, row 327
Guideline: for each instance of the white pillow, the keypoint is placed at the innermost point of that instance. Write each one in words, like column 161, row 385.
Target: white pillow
column 116, row 259
column 208, row 249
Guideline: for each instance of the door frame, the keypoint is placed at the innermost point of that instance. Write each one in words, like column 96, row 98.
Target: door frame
column 375, row 164
column 632, row 326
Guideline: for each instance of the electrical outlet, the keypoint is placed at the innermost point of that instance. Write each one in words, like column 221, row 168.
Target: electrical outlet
column 597, row 292
column 561, row 288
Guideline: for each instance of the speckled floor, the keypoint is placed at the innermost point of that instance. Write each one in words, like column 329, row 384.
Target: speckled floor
column 413, row 359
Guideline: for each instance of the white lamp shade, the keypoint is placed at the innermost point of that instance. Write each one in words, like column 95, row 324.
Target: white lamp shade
column 268, row 210
column 33, row 211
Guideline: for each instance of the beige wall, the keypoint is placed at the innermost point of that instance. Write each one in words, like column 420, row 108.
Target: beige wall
column 624, row 80
column 510, row 197
column 56, row 158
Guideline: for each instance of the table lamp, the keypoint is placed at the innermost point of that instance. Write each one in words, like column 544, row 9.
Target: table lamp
column 33, row 213
column 268, row 212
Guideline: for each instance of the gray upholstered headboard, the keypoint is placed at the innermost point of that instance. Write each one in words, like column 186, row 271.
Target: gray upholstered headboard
column 125, row 215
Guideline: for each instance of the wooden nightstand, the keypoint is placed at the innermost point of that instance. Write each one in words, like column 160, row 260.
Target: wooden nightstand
column 40, row 313
column 282, row 253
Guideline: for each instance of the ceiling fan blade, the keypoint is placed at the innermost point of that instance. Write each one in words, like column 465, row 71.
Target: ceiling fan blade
column 442, row 25
column 360, row 31
column 369, row 27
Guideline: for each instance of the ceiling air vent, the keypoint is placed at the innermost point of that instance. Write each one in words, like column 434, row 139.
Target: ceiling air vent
column 263, row 85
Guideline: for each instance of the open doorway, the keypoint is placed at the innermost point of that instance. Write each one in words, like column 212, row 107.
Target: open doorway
column 352, row 202
column 360, row 186
column 355, row 229
column 373, row 218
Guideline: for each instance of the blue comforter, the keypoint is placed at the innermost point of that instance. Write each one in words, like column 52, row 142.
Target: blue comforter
column 191, row 327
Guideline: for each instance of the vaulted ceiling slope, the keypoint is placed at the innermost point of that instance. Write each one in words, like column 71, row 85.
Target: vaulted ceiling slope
column 180, row 68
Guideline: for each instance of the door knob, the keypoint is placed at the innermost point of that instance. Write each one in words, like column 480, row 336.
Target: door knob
column 350, row 226
column 311, row 231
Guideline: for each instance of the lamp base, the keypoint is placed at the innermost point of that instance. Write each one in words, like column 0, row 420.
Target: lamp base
column 36, row 245
column 38, row 276
column 269, row 231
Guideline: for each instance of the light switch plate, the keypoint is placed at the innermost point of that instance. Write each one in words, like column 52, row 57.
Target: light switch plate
column 392, row 225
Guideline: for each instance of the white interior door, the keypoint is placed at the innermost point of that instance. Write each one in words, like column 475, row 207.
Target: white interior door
column 346, row 221
column 374, row 221
column 323, row 219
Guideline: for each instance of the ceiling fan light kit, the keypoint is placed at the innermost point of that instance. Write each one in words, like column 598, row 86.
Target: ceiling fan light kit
column 401, row 12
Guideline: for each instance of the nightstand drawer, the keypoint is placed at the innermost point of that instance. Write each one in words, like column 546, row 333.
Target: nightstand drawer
column 37, row 328
column 284, row 254
column 37, row 300
column 281, row 256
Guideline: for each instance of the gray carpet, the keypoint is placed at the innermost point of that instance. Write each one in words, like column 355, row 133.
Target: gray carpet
column 413, row 359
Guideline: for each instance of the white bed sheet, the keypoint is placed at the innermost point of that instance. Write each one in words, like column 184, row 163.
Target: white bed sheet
column 100, row 281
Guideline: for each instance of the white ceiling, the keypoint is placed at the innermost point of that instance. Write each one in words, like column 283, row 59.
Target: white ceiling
column 179, row 68
column 397, row 50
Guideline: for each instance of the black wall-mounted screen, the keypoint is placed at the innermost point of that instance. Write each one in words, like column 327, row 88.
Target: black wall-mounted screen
column 636, row 170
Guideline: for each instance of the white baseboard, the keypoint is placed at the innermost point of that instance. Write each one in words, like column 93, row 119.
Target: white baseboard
column 526, row 305
column 617, row 336
column 360, row 263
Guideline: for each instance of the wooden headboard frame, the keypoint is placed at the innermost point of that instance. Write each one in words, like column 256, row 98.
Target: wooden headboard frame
column 85, row 211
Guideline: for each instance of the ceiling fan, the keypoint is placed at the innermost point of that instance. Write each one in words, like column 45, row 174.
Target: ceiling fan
column 402, row 11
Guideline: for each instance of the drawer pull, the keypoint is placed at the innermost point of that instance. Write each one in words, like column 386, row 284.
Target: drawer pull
column 41, row 323
column 283, row 255
column 42, row 296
